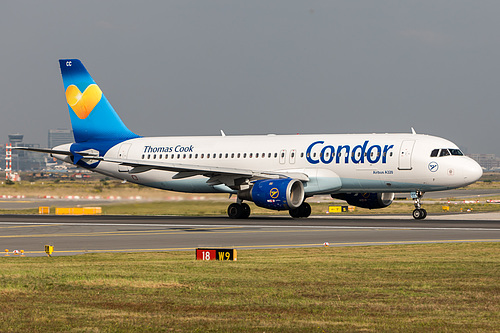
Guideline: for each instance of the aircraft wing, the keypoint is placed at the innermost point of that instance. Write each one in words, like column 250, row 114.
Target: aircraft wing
column 217, row 175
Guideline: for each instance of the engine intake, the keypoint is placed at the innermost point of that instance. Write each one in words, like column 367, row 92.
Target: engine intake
column 366, row 200
column 277, row 194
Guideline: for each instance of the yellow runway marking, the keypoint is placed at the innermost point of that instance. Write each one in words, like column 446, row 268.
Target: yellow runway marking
column 30, row 226
column 276, row 246
column 156, row 232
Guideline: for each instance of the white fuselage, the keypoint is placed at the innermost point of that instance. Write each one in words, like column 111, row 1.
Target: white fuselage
column 334, row 163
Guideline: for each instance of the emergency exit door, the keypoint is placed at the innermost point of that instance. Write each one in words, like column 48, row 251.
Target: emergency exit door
column 405, row 153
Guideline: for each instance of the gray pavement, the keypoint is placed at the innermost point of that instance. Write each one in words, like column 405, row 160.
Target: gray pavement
column 92, row 234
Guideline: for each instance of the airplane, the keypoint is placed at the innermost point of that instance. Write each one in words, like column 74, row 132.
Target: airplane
column 277, row 172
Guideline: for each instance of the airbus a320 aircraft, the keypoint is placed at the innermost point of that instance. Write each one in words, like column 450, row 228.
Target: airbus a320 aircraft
column 277, row 172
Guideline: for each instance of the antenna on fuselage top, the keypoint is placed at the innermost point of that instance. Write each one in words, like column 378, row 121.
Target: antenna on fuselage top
column 222, row 133
column 413, row 131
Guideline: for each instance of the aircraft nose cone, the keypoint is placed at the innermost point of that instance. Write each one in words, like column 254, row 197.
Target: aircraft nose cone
column 472, row 171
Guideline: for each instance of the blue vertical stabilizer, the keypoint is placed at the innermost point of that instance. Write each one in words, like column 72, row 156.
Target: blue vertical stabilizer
column 92, row 117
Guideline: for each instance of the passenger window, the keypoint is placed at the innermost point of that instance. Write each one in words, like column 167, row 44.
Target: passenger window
column 244, row 155
column 142, row 156
column 239, row 155
column 434, row 153
column 275, row 155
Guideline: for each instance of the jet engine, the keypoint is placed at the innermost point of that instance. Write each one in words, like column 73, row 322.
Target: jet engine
column 276, row 194
column 366, row 200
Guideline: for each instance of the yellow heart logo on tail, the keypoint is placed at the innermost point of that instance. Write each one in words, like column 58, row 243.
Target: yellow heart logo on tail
column 83, row 103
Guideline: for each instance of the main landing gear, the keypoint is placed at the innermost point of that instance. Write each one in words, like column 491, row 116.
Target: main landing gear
column 238, row 210
column 304, row 210
column 419, row 213
column 241, row 210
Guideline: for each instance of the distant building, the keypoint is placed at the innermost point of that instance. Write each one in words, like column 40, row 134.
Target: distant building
column 487, row 161
column 60, row 136
column 24, row 160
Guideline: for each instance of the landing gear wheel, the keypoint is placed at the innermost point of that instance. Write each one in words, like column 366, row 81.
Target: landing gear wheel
column 238, row 211
column 419, row 214
column 234, row 211
column 304, row 210
column 246, row 211
column 294, row 213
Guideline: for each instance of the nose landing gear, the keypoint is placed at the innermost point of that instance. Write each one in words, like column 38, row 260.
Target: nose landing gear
column 419, row 213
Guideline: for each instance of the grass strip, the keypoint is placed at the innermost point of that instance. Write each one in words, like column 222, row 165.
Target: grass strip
column 411, row 288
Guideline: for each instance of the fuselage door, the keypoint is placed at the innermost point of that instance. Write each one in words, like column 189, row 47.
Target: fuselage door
column 405, row 155
column 123, row 154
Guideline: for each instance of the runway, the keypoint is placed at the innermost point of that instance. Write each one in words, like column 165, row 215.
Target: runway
column 91, row 234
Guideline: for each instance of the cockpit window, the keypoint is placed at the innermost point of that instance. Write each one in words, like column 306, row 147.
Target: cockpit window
column 444, row 152
column 456, row 152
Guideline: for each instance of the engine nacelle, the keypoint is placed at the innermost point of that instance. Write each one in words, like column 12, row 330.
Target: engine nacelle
column 277, row 194
column 366, row 200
